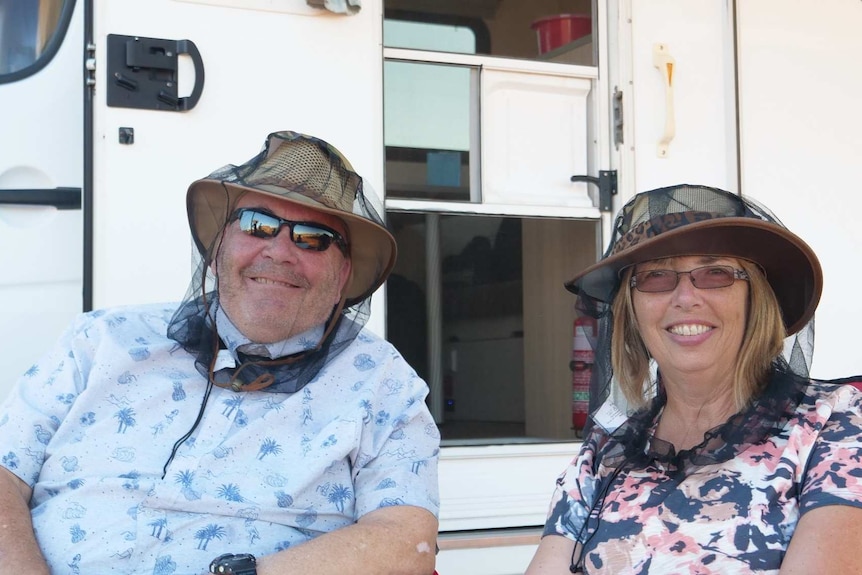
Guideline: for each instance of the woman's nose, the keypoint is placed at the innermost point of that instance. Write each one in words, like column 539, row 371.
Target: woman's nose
column 685, row 287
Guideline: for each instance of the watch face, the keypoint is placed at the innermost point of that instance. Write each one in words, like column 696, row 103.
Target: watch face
column 230, row 564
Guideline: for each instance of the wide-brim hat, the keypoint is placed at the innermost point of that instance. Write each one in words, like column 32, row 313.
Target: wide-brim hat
column 698, row 220
column 309, row 172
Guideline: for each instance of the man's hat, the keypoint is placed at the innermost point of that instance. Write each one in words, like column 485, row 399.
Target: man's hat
column 310, row 172
column 698, row 220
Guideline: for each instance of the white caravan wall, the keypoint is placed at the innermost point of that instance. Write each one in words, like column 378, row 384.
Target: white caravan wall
column 41, row 248
column 269, row 66
column 801, row 139
column 697, row 36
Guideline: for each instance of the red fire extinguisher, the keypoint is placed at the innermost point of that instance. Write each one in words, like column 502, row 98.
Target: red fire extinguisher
column 583, row 358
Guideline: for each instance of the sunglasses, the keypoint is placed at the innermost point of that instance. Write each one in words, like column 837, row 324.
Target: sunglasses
column 706, row 277
column 306, row 235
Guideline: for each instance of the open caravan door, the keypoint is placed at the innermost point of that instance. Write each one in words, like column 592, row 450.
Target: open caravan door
column 663, row 112
column 41, row 175
column 183, row 87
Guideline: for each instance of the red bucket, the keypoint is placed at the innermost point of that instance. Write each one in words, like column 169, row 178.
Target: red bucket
column 559, row 30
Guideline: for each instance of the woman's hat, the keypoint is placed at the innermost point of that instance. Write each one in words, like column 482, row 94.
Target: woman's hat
column 698, row 220
column 310, row 172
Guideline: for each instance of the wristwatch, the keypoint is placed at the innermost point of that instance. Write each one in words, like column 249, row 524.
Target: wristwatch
column 230, row 564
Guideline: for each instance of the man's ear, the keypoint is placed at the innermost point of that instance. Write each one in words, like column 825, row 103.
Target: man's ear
column 216, row 249
column 345, row 275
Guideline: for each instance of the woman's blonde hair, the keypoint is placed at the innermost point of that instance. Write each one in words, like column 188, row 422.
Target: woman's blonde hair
column 762, row 342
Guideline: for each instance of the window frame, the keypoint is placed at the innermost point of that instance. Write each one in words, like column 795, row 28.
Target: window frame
column 479, row 28
column 51, row 48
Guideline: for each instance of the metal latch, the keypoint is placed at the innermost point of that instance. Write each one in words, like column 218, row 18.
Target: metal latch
column 607, row 184
column 617, row 107
column 143, row 73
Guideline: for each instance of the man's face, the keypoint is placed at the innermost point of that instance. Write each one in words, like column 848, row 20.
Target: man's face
column 270, row 288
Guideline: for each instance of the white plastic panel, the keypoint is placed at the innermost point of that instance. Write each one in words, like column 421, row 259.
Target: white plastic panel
column 694, row 36
column 508, row 560
column 801, row 138
column 496, row 486
column 41, row 255
column 534, row 138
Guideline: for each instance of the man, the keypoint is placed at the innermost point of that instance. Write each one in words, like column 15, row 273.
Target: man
column 254, row 428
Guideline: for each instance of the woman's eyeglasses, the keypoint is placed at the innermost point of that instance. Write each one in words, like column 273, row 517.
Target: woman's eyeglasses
column 706, row 277
column 306, row 235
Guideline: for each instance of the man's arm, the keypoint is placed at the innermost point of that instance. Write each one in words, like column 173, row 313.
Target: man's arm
column 397, row 540
column 19, row 552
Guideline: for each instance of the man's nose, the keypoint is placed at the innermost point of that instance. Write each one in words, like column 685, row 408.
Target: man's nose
column 282, row 246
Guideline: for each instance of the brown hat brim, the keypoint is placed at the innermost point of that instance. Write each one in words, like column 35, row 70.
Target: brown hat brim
column 792, row 268
column 372, row 247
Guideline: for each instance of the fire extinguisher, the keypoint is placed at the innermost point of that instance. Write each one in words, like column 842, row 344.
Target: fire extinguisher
column 581, row 365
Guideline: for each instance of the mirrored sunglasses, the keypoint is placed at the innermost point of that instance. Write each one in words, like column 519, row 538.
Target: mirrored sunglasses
column 706, row 277
column 306, row 235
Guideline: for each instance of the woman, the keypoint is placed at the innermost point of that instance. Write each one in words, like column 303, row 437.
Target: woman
column 733, row 460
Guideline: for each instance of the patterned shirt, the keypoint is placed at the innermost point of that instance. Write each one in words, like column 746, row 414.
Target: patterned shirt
column 731, row 517
column 92, row 425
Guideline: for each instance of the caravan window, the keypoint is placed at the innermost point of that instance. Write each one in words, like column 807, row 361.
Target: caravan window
column 428, row 153
column 30, row 33
column 483, row 128
column 541, row 30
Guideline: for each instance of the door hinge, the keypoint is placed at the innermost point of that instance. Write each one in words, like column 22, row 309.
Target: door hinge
column 607, row 184
column 90, row 65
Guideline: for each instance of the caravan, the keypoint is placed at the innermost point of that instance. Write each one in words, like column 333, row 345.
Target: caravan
column 500, row 138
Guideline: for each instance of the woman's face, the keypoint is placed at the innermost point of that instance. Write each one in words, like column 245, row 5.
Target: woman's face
column 692, row 331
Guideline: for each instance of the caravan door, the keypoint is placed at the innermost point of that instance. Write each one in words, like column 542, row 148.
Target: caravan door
column 41, row 176
column 660, row 66
column 185, row 87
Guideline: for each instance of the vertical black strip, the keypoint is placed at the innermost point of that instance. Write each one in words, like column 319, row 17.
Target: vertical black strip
column 737, row 103
column 87, row 200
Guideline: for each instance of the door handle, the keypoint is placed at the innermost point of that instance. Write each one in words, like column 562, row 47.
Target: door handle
column 60, row 198
column 665, row 63
column 607, row 184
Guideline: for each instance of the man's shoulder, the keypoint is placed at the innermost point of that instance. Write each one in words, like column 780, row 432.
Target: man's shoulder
column 370, row 353
column 369, row 342
column 126, row 316
column 366, row 336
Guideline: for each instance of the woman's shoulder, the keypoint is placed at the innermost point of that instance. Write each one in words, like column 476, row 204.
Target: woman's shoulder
column 854, row 381
column 834, row 399
column 846, row 389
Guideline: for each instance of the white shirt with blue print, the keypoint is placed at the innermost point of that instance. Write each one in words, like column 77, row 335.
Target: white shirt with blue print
column 91, row 426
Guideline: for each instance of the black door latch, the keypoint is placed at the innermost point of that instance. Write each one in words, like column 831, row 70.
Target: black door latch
column 607, row 184
column 142, row 73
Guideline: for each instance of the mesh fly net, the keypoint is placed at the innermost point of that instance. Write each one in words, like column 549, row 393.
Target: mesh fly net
column 765, row 414
column 195, row 325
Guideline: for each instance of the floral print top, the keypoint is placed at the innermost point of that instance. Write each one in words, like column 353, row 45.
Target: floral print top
column 736, row 516
column 92, row 426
